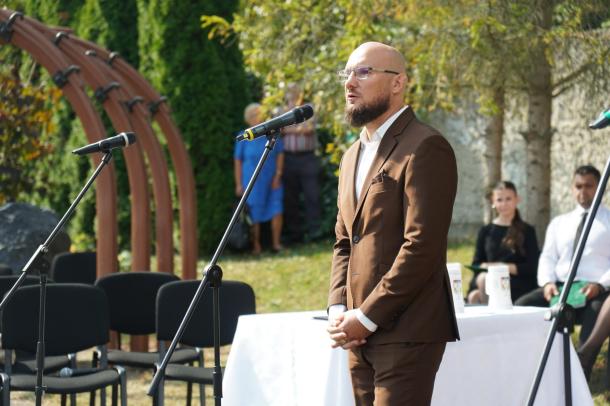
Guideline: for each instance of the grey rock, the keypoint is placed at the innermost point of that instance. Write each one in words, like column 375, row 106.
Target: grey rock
column 23, row 228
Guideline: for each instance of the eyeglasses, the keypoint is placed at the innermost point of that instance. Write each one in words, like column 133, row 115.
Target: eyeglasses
column 361, row 72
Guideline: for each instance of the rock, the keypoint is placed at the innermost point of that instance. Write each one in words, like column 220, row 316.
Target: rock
column 23, row 228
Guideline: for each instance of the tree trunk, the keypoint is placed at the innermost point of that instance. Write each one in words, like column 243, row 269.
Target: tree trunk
column 538, row 134
column 494, row 133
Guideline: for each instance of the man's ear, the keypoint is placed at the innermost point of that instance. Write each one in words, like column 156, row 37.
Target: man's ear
column 399, row 83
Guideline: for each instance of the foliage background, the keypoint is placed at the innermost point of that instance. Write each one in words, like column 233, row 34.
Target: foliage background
column 203, row 79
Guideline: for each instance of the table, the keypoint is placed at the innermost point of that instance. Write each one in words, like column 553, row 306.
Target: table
column 285, row 359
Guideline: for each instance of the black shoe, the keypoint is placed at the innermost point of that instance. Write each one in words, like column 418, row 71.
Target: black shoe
column 586, row 362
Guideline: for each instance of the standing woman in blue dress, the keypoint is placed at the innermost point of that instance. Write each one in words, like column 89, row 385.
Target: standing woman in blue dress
column 265, row 200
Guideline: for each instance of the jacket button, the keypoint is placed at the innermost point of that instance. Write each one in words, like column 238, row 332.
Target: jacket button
column 355, row 239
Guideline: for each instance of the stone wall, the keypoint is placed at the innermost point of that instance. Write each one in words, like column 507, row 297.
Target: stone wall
column 573, row 145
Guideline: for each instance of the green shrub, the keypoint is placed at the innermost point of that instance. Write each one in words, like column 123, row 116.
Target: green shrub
column 207, row 90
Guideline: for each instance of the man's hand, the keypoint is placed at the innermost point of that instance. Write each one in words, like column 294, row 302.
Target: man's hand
column 347, row 331
column 591, row 290
column 550, row 290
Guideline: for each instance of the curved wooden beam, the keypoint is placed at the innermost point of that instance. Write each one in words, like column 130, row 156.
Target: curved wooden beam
column 110, row 95
column 179, row 155
column 24, row 37
column 139, row 117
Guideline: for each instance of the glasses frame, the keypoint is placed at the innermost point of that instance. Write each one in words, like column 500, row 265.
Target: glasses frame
column 344, row 74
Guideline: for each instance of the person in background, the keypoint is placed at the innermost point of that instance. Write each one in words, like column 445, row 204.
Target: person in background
column 301, row 172
column 507, row 240
column 265, row 200
column 562, row 235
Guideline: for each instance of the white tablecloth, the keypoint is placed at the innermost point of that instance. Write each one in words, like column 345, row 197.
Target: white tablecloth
column 285, row 359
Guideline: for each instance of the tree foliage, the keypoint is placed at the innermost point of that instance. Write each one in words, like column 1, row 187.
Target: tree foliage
column 456, row 51
column 26, row 113
column 207, row 90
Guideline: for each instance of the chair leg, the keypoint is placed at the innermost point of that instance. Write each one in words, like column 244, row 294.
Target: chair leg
column 123, row 384
column 94, row 364
column 161, row 393
column 115, row 395
column 6, row 389
column 64, row 399
column 189, row 393
column 201, row 386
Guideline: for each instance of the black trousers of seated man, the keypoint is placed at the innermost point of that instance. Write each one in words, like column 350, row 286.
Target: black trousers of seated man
column 585, row 316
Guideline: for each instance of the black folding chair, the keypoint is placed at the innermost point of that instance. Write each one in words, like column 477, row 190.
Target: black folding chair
column 76, row 319
column 132, row 297
column 26, row 362
column 74, row 267
column 236, row 299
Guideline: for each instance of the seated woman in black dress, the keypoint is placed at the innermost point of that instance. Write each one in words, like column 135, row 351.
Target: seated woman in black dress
column 506, row 240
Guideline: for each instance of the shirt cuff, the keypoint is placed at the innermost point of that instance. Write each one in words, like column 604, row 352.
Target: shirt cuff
column 334, row 311
column 366, row 322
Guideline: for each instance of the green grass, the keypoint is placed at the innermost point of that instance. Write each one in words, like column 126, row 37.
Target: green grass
column 298, row 278
column 295, row 280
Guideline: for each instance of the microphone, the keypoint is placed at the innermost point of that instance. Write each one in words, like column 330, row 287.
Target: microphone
column 118, row 141
column 294, row 116
column 602, row 121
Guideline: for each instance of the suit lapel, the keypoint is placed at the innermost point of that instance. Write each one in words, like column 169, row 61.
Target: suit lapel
column 386, row 146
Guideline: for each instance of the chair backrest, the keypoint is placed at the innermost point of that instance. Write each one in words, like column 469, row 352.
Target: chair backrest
column 5, row 270
column 132, row 297
column 76, row 319
column 7, row 282
column 74, row 267
column 236, row 298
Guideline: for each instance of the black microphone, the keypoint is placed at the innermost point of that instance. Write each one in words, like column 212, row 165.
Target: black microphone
column 118, row 141
column 602, row 121
column 294, row 116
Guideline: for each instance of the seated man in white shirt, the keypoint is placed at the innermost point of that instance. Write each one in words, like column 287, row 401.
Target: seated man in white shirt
column 560, row 242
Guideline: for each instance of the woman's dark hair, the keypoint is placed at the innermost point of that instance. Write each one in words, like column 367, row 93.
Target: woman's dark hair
column 515, row 236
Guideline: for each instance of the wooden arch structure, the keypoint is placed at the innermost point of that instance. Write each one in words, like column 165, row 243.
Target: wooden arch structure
column 131, row 104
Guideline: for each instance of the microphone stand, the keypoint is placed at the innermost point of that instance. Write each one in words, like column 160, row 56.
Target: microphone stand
column 212, row 276
column 41, row 264
column 562, row 314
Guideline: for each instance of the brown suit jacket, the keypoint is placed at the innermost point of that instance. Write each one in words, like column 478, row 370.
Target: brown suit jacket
column 391, row 245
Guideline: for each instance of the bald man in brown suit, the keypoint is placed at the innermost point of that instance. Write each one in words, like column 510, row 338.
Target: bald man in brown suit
column 397, row 186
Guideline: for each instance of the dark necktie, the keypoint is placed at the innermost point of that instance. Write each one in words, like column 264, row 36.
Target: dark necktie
column 579, row 231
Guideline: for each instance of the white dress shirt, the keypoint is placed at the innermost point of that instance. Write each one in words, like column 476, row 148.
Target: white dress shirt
column 368, row 150
column 559, row 243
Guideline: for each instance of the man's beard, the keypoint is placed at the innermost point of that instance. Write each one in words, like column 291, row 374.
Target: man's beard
column 357, row 116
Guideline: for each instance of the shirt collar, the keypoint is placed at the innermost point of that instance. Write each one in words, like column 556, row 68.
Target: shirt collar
column 580, row 210
column 383, row 128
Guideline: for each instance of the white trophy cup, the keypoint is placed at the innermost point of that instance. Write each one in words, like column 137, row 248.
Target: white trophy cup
column 497, row 285
column 455, row 279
